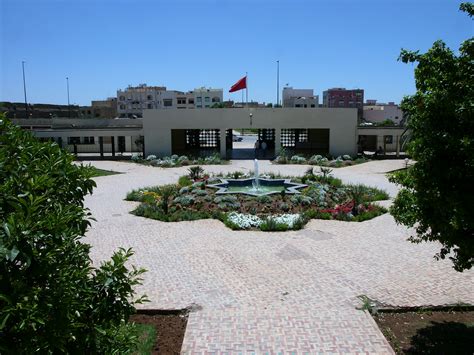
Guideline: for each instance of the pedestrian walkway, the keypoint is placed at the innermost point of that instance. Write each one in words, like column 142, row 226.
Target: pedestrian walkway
column 270, row 293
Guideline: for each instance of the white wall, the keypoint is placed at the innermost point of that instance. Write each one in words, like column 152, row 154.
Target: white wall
column 342, row 123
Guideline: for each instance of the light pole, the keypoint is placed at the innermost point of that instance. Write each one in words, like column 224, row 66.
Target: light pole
column 278, row 83
column 24, row 87
column 68, row 105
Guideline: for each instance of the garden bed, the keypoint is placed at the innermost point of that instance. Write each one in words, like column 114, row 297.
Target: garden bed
column 175, row 161
column 341, row 161
column 428, row 332
column 325, row 197
column 161, row 332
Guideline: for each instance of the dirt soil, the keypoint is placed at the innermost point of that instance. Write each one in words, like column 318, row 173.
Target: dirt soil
column 170, row 330
column 437, row 332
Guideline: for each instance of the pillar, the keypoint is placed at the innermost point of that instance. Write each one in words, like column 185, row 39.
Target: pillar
column 223, row 148
column 112, row 141
column 277, row 140
column 101, row 146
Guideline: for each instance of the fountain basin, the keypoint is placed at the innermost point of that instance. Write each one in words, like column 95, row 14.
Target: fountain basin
column 262, row 187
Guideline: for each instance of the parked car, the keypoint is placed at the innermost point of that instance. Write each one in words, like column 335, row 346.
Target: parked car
column 236, row 138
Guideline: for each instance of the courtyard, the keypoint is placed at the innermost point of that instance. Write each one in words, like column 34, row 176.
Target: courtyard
column 273, row 292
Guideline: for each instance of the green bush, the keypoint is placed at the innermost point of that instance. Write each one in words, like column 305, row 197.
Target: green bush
column 364, row 216
column 185, row 180
column 317, row 214
column 52, row 299
column 269, row 225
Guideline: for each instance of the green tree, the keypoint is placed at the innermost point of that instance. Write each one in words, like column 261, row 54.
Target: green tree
column 52, row 300
column 437, row 192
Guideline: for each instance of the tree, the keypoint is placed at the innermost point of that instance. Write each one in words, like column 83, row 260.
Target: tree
column 437, row 192
column 52, row 300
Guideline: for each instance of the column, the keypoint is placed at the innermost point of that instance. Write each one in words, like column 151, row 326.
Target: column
column 277, row 141
column 112, row 141
column 223, row 149
column 101, row 146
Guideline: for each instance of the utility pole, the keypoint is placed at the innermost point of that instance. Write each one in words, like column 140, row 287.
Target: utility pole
column 278, row 83
column 68, row 105
column 24, row 88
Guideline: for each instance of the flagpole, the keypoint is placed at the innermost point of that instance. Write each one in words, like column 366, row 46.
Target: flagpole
column 246, row 90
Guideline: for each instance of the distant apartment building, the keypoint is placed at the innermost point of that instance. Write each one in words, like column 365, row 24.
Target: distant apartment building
column 299, row 98
column 343, row 98
column 104, row 108
column 206, row 97
column 132, row 101
column 379, row 112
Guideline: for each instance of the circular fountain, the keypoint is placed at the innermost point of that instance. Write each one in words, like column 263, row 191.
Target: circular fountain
column 257, row 186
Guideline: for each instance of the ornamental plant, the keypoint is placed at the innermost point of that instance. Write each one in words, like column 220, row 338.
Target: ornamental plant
column 52, row 299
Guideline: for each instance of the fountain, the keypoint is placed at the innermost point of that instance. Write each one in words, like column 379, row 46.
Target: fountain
column 257, row 186
column 255, row 183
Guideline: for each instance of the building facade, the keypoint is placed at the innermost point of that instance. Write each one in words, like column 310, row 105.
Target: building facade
column 343, row 98
column 207, row 97
column 104, row 108
column 379, row 112
column 132, row 101
column 303, row 98
column 319, row 131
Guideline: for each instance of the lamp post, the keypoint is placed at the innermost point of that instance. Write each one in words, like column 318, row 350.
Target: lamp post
column 278, row 83
column 24, row 87
column 68, row 105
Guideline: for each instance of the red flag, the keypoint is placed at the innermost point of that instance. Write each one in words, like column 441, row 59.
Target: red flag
column 241, row 84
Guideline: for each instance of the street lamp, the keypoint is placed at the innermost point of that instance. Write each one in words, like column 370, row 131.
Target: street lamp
column 68, row 105
column 24, row 87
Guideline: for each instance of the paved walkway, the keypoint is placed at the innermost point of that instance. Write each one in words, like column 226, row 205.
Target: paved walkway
column 273, row 293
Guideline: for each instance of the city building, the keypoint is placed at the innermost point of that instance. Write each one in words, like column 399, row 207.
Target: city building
column 104, row 108
column 206, row 97
column 132, row 101
column 319, row 131
column 379, row 112
column 304, row 98
column 343, row 98
column 325, row 131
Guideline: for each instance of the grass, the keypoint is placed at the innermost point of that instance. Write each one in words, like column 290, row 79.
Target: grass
column 100, row 172
column 146, row 338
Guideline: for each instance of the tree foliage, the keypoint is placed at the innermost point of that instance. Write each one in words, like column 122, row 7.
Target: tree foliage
column 51, row 297
column 437, row 192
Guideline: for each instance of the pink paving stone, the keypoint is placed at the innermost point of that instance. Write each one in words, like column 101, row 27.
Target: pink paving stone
column 239, row 278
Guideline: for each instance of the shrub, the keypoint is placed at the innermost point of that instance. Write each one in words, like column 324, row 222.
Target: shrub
column 297, row 159
column 195, row 172
column 201, row 192
column 136, row 157
column 53, row 300
column 317, row 214
column 185, row 180
column 346, row 157
column 151, row 157
column 264, row 199
column 271, row 225
column 185, row 200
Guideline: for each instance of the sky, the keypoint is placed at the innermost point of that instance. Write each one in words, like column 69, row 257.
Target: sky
column 105, row 45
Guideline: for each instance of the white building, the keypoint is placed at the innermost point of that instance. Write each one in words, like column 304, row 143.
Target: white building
column 206, row 97
column 374, row 112
column 299, row 98
column 133, row 100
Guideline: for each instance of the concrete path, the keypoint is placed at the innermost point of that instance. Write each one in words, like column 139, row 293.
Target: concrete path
column 270, row 293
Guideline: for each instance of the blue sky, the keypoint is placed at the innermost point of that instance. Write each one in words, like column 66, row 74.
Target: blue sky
column 105, row 45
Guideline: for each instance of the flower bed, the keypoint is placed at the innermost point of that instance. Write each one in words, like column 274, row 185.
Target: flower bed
column 324, row 198
column 338, row 162
column 175, row 161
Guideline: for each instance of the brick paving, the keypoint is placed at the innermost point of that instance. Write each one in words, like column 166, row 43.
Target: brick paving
column 273, row 293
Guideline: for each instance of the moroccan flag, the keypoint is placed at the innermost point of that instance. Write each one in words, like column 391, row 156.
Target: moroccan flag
column 241, row 84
